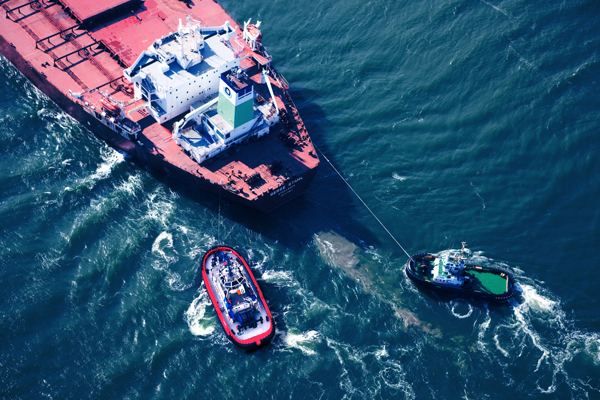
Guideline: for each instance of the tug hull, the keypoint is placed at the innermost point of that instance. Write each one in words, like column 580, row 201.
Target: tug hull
column 256, row 332
column 486, row 283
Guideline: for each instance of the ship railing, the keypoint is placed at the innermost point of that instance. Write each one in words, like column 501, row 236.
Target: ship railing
column 65, row 34
column 148, row 85
column 130, row 127
column 35, row 5
column 282, row 81
column 237, row 45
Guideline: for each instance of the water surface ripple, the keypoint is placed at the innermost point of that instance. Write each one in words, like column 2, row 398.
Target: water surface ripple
column 455, row 120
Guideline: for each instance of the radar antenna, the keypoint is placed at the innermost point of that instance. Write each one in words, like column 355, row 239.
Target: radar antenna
column 463, row 249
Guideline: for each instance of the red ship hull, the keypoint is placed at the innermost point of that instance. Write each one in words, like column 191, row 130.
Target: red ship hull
column 34, row 42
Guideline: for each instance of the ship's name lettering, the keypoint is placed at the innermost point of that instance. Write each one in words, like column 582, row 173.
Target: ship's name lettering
column 285, row 189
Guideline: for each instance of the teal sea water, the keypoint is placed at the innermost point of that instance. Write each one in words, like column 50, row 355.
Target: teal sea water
column 454, row 120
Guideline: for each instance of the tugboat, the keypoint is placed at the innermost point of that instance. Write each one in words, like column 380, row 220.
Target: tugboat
column 450, row 274
column 239, row 303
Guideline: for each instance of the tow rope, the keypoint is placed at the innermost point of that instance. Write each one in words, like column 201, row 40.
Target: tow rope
column 361, row 200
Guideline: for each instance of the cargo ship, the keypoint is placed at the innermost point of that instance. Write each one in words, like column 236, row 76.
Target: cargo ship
column 450, row 274
column 238, row 301
column 178, row 86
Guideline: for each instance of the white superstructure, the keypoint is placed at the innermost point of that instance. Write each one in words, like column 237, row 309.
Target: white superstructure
column 196, row 70
column 447, row 269
column 182, row 68
column 230, row 118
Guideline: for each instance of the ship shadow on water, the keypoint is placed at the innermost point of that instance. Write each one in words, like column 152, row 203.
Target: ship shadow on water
column 328, row 211
column 326, row 206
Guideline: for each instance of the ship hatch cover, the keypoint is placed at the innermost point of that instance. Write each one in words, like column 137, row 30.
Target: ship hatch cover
column 89, row 12
column 131, row 40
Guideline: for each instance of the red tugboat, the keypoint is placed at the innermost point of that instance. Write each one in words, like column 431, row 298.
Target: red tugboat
column 239, row 303
column 179, row 86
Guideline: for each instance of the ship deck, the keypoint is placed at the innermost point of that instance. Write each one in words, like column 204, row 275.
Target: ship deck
column 83, row 46
column 489, row 282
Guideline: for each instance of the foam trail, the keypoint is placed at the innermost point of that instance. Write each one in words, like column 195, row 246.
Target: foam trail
column 537, row 301
column 355, row 377
column 398, row 177
column 281, row 278
column 163, row 242
column 539, row 334
column 301, row 341
column 496, row 8
column 379, row 354
column 453, row 308
column 195, row 316
column 110, row 159
column 394, row 376
column 159, row 210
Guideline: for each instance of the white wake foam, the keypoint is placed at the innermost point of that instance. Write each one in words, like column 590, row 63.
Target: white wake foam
column 457, row 308
column 361, row 383
column 160, row 209
column 301, row 341
column 163, row 248
column 398, row 177
column 539, row 335
column 537, row 301
column 195, row 316
column 110, row 159
column 163, row 241
column 281, row 278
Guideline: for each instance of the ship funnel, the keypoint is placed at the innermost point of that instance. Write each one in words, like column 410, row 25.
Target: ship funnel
column 236, row 99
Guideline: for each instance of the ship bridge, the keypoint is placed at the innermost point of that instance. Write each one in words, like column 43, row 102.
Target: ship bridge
column 182, row 68
column 232, row 117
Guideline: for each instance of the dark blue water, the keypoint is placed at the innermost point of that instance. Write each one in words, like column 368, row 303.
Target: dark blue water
column 454, row 120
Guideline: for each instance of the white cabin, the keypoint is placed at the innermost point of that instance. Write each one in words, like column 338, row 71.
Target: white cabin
column 182, row 68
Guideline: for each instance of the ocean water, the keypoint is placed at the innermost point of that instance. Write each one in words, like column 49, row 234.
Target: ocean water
column 454, row 120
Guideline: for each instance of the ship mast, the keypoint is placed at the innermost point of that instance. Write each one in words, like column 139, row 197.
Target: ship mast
column 463, row 249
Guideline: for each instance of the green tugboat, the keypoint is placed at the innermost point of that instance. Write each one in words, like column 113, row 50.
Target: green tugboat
column 450, row 274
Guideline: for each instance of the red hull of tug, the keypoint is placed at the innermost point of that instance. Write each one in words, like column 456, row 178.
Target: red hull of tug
column 251, row 343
